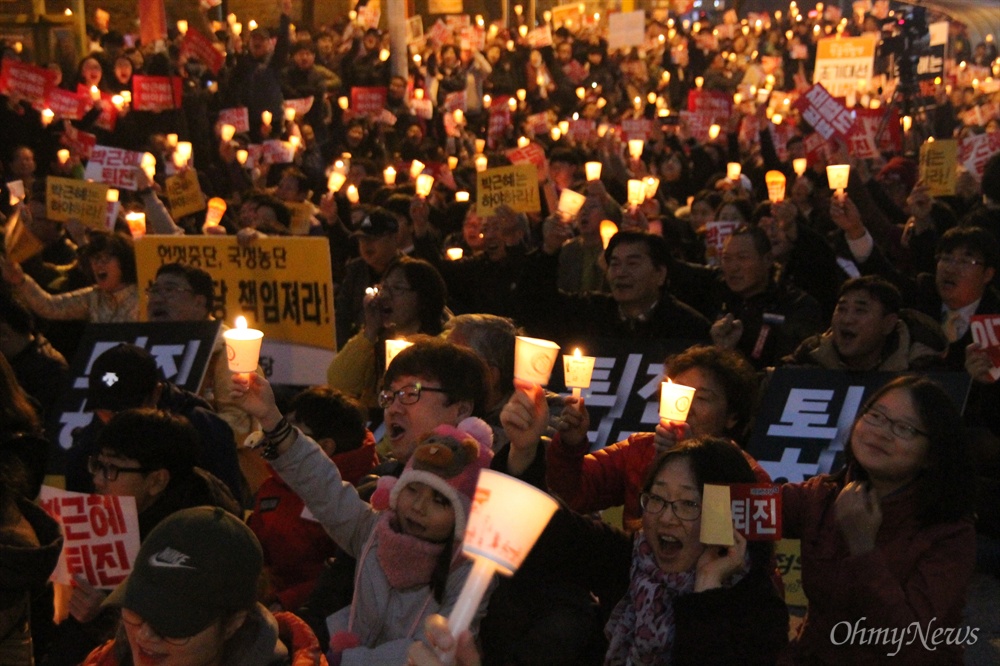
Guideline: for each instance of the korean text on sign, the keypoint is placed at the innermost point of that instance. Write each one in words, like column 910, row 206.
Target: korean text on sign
column 68, row 199
column 756, row 510
column 515, row 187
column 113, row 166
column 101, row 535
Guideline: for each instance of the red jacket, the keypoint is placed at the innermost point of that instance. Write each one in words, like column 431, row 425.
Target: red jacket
column 296, row 547
column 915, row 575
column 609, row 477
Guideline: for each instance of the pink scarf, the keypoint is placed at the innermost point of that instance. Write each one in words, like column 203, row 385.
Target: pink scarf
column 406, row 560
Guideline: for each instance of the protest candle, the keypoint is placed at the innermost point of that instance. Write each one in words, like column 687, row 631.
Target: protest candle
column 522, row 94
column 243, row 346
column 510, row 44
column 570, row 203
column 523, row 141
column 636, row 192
column 452, row 162
column 418, row 93
column 837, row 176
column 227, row 132
column 608, row 229
column 512, row 104
column 602, row 129
column 352, row 193
column 352, row 15
column 241, row 156
column 635, row 147
column 215, row 210
column 47, row 116
column 182, row 154
column 425, row 182
column 62, row 155
column 112, row 195
column 518, row 9
column 504, row 522
column 581, row 92
column 593, row 170
column 383, row 55
column 713, row 132
column 487, row 101
column 699, row 81
column 522, row 30
column 665, row 78
column 555, row 133
column 182, row 27
column 454, row 253
column 252, row 25
column 577, row 371
column 480, row 146
column 336, row 181
column 481, row 163
column 417, row 59
column 95, row 94
column 907, row 123
column 775, row 185
column 230, row 18
column 637, row 103
column 237, row 29
column 459, row 116
column 266, row 117
column 533, row 359
column 393, row 347
column 416, row 168
column 136, row 224
column 127, row 96
column 290, row 114
column 343, row 102
column 294, row 141
column 762, row 95
column 461, row 196
column 675, row 401
column 149, row 164
column 737, row 98
column 799, row 165
column 563, row 126
column 733, row 170
column 777, row 118
column 652, row 184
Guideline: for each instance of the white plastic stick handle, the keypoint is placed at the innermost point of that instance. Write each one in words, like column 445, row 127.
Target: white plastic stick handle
column 472, row 593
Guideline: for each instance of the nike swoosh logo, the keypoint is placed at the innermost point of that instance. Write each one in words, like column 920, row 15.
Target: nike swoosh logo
column 155, row 561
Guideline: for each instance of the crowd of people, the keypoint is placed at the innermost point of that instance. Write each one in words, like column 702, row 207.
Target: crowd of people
column 277, row 528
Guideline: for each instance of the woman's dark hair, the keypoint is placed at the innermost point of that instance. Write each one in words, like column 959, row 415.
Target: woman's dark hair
column 716, row 461
column 431, row 291
column 330, row 413
column 945, row 491
column 731, row 369
column 118, row 246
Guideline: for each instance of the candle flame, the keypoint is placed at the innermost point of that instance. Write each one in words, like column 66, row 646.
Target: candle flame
column 241, row 322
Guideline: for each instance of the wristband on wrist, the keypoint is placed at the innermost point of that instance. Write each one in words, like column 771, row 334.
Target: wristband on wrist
column 268, row 443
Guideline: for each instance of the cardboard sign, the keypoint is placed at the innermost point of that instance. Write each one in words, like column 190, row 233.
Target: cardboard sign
column 626, row 29
column 716, row 235
column 938, row 161
column 369, row 15
column 181, row 350
column 825, row 113
column 716, row 516
column 976, row 150
column 540, row 37
column 31, row 82
column 65, row 104
column 67, row 199
column 440, row 33
column 756, row 509
column 79, row 143
column 369, row 101
column 986, row 333
column 842, row 61
column 101, row 534
column 806, row 416
column 414, row 29
column 515, row 187
column 301, row 105
column 156, row 93
column 282, row 285
column 113, row 166
column 238, row 117
column 184, row 194
column 276, row 151
column 530, row 154
column 198, row 45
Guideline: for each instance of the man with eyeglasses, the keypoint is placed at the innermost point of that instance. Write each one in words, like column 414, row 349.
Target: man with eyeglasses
column 187, row 293
column 150, row 455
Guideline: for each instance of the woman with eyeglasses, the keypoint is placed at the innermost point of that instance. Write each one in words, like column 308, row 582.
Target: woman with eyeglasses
column 888, row 543
column 410, row 300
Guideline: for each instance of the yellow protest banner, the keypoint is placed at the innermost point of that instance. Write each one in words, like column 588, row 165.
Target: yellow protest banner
column 19, row 243
column 282, row 285
column 788, row 554
column 513, row 186
column 938, row 161
column 842, row 61
column 184, row 193
column 68, row 199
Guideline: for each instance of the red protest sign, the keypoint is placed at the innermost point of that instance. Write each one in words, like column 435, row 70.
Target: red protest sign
column 65, row 104
column 500, row 118
column 716, row 105
column 976, row 150
column 302, row 105
column 530, row 154
column 100, row 532
column 986, row 333
column 156, row 93
column 824, row 112
column 368, row 101
column 756, row 510
column 581, row 130
column 29, row 81
column 198, row 45
column 637, row 128
column 79, row 142
column 238, row 117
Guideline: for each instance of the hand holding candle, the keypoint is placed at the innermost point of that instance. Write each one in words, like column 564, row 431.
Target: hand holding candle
column 675, row 401
column 243, row 346
column 533, row 359
column 577, row 371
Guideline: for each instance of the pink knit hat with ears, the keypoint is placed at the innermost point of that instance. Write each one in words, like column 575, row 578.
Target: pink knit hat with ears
column 448, row 459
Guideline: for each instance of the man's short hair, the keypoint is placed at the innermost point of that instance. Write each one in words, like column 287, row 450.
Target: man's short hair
column 761, row 243
column 459, row 370
column 656, row 247
column 154, row 438
column 492, row 337
column 330, row 413
column 974, row 240
column 281, row 212
column 200, row 281
column 878, row 288
column 302, row 45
